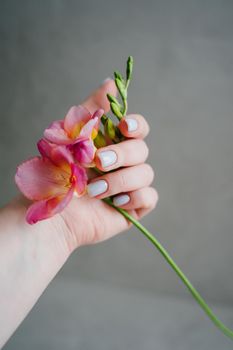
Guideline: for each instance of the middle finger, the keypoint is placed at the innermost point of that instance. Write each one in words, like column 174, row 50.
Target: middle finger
column 123, row 180
column 126, row 153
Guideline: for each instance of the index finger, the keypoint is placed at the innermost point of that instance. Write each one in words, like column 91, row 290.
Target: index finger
column 134, row 126
column 98, row 98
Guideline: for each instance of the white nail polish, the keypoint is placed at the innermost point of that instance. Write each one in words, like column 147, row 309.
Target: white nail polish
column 96, row 188
column 132, row 124
column 120, row 200
column 107, row 158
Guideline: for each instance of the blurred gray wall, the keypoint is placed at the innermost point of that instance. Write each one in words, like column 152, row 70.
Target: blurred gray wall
column 53, row 53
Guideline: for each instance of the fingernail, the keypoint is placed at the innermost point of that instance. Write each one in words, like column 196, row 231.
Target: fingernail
column 107, row 158
column 120, row 200
column 96, row 188
column 105, row 80
column 132, row 124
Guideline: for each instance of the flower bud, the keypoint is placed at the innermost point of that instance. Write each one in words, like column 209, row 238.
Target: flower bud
column 118, row 75
column 129, row 68
column 103, row 119
column 113, row 99
column 122, row 89
column 110, row 129
column 100, row 141
column 116, row 110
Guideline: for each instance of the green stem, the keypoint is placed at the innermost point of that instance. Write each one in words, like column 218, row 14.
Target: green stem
column 127, row 84
column 125, row 103
column 228, row 332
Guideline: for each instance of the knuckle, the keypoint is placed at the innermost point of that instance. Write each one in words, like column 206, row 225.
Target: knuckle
column 144, row 126
column 147, row 128
column 154, row 198
column 146, row 149
column 149, row 171
column 143, row 200
column 121, row 180
column 148, row 198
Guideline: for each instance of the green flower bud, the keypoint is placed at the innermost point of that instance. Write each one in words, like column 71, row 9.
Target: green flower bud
column 113, row 99
column 116, row 110
column 122, row 89
column 110, row 129
column 103, row 119
column 129, row 68
column 118, row 75
column 100, row 141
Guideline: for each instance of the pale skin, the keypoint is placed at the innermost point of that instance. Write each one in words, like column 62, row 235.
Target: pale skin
column 31, row 255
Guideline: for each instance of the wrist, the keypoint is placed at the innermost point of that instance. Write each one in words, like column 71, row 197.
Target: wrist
column 30, row 256
column 51, row 234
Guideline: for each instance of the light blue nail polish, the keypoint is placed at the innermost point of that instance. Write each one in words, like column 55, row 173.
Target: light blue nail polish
column 96, row 188
column 107, row 158
column 132, row 124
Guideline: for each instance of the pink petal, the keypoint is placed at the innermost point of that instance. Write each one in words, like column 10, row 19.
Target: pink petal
column 55, row 133
column 80, row 179
column 46, row 208
column 75, row 116
column 59, row 155
column 84, row 152
column 98, row 113
column 39, row 179
column 87, row 129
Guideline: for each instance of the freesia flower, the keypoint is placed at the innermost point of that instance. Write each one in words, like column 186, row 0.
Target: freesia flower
column 77, row 131
column 50, row 181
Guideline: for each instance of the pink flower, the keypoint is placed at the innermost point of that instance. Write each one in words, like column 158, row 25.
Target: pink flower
column 77, row 131
column 50, row 181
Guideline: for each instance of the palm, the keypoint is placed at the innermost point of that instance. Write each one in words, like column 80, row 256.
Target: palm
column 91, row 220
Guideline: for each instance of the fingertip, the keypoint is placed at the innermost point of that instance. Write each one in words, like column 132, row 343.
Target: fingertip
column 98, row 162
column 134, row 126
column 106, row 159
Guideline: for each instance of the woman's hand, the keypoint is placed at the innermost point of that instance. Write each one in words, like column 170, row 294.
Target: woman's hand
column 90, row 220
column 31, row 255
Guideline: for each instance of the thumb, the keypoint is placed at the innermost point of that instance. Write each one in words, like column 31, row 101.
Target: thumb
column 98, row 98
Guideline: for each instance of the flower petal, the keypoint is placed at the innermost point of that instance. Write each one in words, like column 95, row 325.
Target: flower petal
column 46, row 208
column 89, row 130
column 55, row 133
column 76, row 117
column 39, row 179
column 59, row 155
column 79, row 175
column 84, row 152
column 98, row 113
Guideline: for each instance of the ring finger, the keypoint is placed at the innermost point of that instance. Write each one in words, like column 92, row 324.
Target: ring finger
column 123, row 180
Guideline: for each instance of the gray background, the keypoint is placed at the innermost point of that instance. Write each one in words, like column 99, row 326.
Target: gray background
column 53, row 53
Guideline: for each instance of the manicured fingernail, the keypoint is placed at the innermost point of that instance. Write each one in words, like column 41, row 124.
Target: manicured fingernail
column 107, row 158
column 120, row 200
column 105, row 80
column 97, row 187
column 132, row 124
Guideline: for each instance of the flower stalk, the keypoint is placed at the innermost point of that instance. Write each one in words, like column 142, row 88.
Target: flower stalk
column 119, row 111
column 196, row 295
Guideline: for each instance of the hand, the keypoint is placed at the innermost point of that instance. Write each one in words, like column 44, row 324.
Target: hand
column 90, row 220
column 33, row 254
